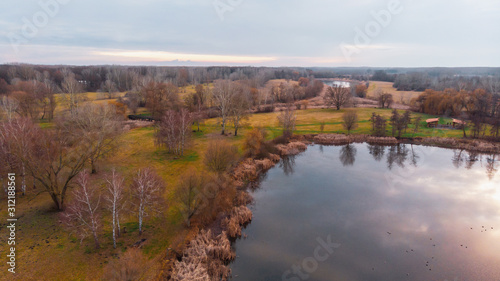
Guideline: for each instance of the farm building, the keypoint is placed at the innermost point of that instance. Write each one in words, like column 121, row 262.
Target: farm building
column 432, row 122
column 458, row 123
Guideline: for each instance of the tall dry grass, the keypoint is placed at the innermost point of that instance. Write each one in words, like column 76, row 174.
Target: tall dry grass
column 205, row 259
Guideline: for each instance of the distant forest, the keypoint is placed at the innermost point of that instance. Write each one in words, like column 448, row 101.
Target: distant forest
column 128, row 78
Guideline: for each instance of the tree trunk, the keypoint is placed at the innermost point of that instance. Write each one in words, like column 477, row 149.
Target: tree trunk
column 56, row 201
column 23, row 184
column 96, row 240
column 118, row 224
column 140, row 218
column 92, row 164
column 223, row 127
column 114, row 225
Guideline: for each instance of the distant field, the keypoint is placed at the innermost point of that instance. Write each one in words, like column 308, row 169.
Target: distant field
column 309, row 121
column 99, row 98
column 402, row 97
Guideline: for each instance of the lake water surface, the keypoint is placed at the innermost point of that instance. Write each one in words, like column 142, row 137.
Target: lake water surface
column 343, row 84
column 388, row 213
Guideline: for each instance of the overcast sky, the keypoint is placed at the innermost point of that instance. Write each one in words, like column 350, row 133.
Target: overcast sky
column 406, row 33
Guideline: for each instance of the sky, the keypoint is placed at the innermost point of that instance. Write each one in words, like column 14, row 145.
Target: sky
column 324, row 33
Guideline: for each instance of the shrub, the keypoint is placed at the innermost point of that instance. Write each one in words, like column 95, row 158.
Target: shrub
column 219, row 156
column 255, row 144
column 131, row 265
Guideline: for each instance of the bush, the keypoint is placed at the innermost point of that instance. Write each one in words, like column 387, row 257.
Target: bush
column 219, row 156
column 255, row 145
column 265, row 109
column 130, row 266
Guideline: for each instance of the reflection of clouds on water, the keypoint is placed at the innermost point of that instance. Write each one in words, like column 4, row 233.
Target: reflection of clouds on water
column 356, row 206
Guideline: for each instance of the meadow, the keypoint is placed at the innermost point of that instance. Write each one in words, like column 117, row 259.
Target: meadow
column 46, row 251
column 402, row 97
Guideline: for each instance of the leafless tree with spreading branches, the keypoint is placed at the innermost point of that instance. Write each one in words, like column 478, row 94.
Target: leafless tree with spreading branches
column 287, row 119
column 82, row 213
column 337, row 96
column 147, row 192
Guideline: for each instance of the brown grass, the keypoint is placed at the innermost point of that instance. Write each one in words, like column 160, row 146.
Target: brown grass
column 239, row 216
column 338, row 139
column 291, row 148
column 130, row 266
column 465, row 144
column 206, row 258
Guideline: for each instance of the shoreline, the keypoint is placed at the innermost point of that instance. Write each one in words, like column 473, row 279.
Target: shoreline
column 217, row 237
column 473, row 145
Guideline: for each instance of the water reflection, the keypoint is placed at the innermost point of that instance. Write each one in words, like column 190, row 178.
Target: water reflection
column 397, row 154
column 468, row 159
column 407, row 154
column 347, row 155
column 492, row 165
column 377, row 151
column 287, row 163
column 440, row 223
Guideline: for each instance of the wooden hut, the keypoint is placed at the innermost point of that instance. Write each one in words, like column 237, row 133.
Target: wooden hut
column 458, row 124
column 432, row 123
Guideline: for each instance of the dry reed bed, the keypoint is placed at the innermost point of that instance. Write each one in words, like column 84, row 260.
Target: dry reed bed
column 239, row 217
column 482, row 146
column 465, row 144
column 338, row 139
column 207, row 256
column 250, row 169
column 292, row 148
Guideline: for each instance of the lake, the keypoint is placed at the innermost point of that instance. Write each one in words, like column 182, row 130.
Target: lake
column 363, row 212
column 342, row 84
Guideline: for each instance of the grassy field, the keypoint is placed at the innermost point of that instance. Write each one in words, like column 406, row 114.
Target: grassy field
column 99, row 98
column 402, row 97
column 309, row 121
column 46, row 251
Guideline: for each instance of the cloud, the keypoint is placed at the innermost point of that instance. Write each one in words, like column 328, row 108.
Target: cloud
column 460, row 32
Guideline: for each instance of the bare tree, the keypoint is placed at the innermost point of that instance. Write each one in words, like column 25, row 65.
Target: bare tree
column 82, row 213
column 337, row 96
column 350, row 118
column 72, row 89
column 96, row 127
column 223, row 95
column 147, row 191
column 49, row 102
column 174, row 130
column 161, row 97
column 51, row 157
column 115, row 199
column 219, row 156
column 399, row 122
column 109, row 87
column 9, row 107
column 384, row 99
column 379, row 125
column 188, row 194
column 287, row 119
column 240, row 105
